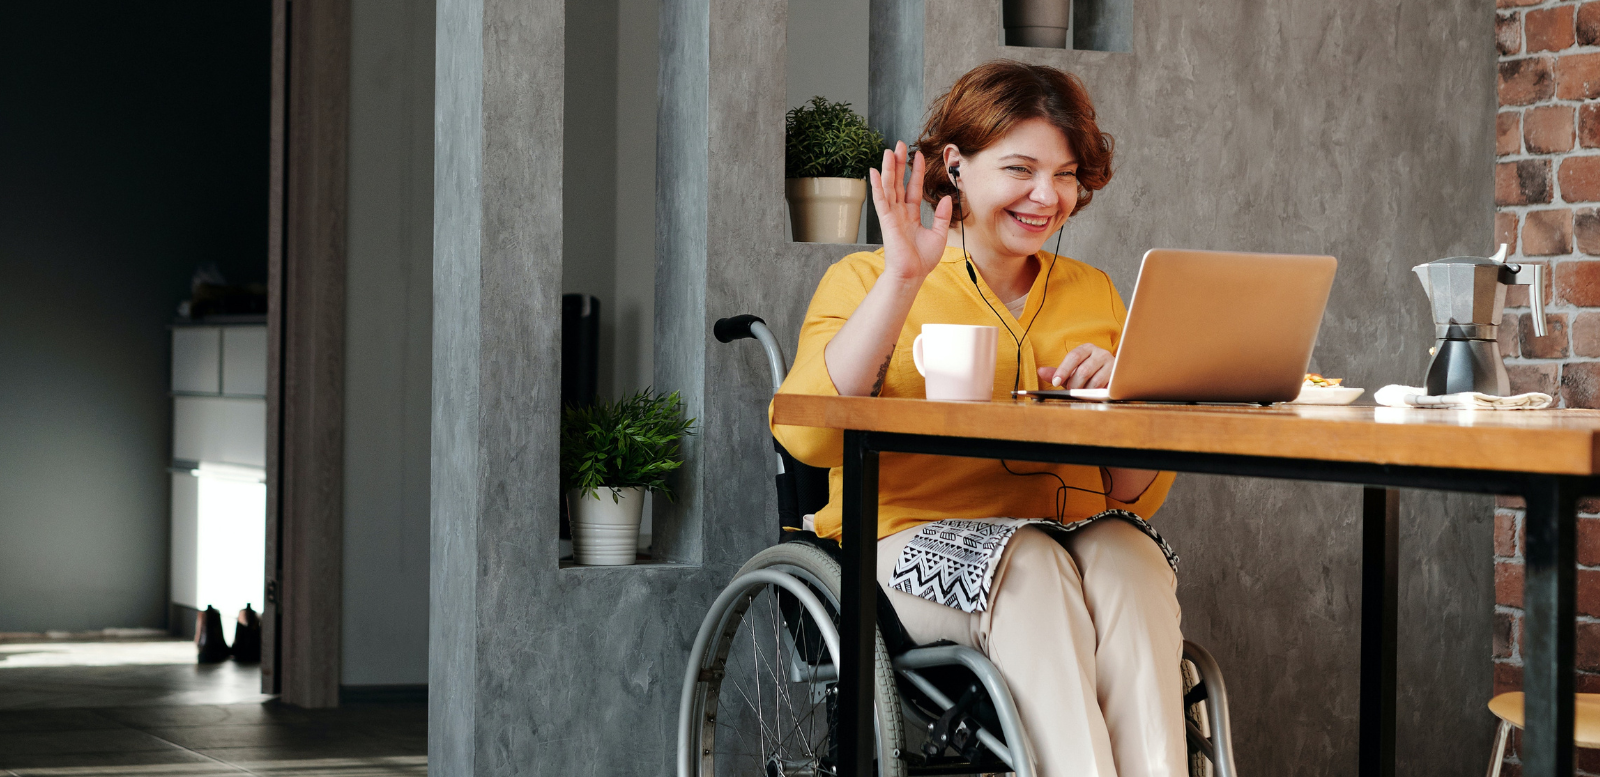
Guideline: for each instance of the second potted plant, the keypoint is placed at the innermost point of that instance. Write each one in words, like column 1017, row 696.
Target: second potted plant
column 612, row 453
column 828, row 149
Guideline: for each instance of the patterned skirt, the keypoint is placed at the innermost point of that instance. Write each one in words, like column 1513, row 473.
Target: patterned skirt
column 953, row 562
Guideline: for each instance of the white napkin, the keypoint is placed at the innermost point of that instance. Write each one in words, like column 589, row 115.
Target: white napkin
column 1395, row 395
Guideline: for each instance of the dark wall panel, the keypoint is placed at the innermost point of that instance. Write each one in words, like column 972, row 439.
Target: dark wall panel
column 133, row 145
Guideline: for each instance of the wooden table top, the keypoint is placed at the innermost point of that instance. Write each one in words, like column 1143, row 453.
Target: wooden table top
column 1541, row 441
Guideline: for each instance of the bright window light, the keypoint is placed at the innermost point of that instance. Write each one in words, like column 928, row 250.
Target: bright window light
column 231, row 541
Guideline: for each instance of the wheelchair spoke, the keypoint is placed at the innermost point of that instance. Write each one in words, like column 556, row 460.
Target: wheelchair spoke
column 768, row 723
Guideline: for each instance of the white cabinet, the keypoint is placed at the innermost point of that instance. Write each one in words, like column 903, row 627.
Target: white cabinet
column 219, row 447
column 244, row 361
column 197, row 359
column 224, row 430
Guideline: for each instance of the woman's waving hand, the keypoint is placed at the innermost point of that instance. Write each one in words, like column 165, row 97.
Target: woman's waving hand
column 911, row 251
column 858, row 355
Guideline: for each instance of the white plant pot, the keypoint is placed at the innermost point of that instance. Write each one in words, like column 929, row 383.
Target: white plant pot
column 825, row 210
column 605, row 531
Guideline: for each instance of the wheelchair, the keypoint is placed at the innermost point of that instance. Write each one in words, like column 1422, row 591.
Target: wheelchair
column 760, row 691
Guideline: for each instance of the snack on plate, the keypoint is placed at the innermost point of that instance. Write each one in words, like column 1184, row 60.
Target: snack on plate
column 1314, row 380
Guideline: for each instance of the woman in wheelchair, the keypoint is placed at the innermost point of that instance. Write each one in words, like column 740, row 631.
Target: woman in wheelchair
column 1079, row 612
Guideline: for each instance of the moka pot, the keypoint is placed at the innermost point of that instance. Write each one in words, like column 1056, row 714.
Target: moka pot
column 1468, row 294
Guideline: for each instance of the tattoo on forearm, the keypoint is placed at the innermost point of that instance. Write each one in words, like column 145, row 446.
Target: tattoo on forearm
column 883, row 372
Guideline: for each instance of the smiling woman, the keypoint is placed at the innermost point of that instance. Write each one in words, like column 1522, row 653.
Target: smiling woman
column 1015, row 152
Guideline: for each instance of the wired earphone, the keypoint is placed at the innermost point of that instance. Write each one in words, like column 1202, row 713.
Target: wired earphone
column 954, row 171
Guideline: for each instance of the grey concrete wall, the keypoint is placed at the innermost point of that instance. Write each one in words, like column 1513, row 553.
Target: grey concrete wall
column 608, row 216
column 1356, row 129
column 134, row 148
column 388, row 339
column 1360, row 130
column 827, row 52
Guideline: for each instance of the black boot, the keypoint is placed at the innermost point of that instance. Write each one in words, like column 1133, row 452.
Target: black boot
column 208, row 637
column 247, row 637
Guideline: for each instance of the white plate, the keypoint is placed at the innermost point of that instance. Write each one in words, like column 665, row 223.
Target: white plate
column 1332, row 395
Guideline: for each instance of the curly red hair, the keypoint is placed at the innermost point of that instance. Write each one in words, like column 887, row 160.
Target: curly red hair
column 994, row 97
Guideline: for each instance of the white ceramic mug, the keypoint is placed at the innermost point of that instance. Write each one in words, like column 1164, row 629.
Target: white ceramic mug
column 957, row 361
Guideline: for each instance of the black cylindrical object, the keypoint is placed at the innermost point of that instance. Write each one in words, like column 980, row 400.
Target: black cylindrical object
column 580, row 349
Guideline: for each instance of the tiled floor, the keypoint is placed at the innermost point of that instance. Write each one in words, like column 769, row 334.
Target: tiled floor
column 156, row 720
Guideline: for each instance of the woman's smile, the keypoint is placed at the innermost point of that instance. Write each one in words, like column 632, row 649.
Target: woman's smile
column 1029, row 222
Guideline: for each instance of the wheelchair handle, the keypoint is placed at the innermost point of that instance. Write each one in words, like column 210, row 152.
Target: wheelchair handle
column 747, row 326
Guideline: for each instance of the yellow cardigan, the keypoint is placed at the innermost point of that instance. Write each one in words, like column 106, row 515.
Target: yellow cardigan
column 1082, row 306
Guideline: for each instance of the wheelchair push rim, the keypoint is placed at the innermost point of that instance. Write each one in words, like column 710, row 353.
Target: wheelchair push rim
column 761, row 690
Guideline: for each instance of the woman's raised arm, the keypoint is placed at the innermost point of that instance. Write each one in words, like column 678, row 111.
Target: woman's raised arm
column 858, row 355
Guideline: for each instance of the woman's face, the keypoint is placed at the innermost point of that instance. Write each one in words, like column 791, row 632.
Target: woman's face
column 1020, row 189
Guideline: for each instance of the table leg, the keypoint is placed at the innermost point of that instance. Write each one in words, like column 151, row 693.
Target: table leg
column 1380, row 540
column 858, row 606
column 1548, row 605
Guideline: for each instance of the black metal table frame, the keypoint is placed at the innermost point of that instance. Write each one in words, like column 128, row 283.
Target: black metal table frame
column 1548, row 590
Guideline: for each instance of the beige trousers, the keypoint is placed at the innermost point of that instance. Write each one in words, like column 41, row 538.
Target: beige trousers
column 1087, row 638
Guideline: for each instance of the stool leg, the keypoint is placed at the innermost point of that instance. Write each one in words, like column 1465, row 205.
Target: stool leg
column 1499, row 756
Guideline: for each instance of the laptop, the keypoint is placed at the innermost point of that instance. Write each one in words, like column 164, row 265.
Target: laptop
column 1218, row 326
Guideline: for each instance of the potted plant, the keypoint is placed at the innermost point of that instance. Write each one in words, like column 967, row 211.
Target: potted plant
column 611, row 454
column 828, row 149
column 1040, row 23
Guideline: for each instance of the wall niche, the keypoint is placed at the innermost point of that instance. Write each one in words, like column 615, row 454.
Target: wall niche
column 1084, row 25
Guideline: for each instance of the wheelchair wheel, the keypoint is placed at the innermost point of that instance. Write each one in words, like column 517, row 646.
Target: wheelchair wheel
column 765, row 693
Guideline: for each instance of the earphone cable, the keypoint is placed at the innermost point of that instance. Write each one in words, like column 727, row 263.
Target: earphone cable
column 1016, row 381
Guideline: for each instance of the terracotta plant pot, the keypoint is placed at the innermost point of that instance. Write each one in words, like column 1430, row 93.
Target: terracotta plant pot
column 825, row 210
column 605, row 532
column 1037, row 23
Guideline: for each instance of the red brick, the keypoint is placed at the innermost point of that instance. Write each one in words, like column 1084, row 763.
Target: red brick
column 1508, row 583
column 1586, row 334
column 1507, row 133
column 1589, row 541
column 1549, row 29
column 1508, row 33
column 1505, row 533
column 1588, row 760
column 1547, row 233
column 1524, row 182
column 1507, row 677
column 1586, row 230
column 1587, row 682
column 1589, row 505
column 1578, row 283
column 1515, row 3
column 1580, row 179
column 1588, row 653
column 1543, row 378
column 1505, row 231
column 1554, row 343
column 1504, row 628
column 1577, row 76
column 1588, row 126
column 1588, row 24
column 1526, row 81
column 1588, row 592
column 1517, row 296
column 1580, row 384
column 1548, row 129
column 1509, row 501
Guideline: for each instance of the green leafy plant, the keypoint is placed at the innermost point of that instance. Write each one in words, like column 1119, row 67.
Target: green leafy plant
column 828, row 140
column 623, row 444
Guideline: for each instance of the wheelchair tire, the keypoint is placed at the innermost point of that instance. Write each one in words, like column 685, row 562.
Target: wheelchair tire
column 757, row 634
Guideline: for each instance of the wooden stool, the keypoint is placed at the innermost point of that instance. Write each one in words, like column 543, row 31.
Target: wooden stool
column 1508, row 708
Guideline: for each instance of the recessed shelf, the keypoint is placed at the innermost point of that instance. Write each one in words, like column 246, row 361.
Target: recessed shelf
column 1082, row 25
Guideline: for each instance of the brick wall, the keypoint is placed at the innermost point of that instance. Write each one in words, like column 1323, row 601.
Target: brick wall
column 1546, row 191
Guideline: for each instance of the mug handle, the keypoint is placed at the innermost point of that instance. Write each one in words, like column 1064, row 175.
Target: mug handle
column 916, row 355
